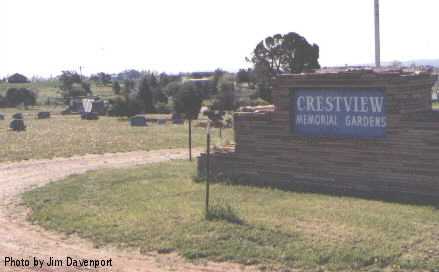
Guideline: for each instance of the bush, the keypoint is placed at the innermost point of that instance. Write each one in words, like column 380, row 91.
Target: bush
column 2, row 101
column 172, row 88
column 116, row 87
column 188, row 101
column 145, row 95
column 164, row 108
column 15, row 97
column 225, row 100
column 125, row 107
column 73, row 86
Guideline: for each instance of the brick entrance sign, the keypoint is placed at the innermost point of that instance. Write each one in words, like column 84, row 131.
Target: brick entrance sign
column 366, row 133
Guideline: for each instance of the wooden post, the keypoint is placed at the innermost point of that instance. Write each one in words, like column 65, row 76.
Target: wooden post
column 190, row 140
column 207, row 167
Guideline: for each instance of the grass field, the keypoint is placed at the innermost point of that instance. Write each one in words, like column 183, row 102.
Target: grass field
column 65, row 136
column 160, row 208
column 50, row 89
column 436, row 106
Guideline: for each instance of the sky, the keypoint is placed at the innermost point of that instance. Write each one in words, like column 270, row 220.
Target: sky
column 44, row 37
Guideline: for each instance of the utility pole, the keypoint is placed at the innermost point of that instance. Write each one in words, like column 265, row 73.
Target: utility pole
column 377, row 34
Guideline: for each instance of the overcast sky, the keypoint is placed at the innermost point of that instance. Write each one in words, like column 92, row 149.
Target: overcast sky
column 46, row 36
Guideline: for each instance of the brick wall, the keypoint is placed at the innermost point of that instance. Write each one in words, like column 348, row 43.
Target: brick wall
column 403, row 165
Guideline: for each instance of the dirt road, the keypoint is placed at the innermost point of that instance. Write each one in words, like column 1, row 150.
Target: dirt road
column 21, row 240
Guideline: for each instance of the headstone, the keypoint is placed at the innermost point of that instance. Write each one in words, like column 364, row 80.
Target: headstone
column 87, row 104
column 2, row 116
column 89, row 116
column 98, row 106
column 177, row 119
column 138, row 121
column 75, row 106
column 43, row 115
column 18, row 115
column 161, row 121
column 17, row 125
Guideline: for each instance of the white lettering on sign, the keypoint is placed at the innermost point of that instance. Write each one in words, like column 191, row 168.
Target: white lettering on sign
column 316, row 119
column 341, row 112
column 352, row 104
column 365, row 121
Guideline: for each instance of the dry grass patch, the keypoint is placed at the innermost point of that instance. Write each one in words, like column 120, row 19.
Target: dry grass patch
column 65, row 136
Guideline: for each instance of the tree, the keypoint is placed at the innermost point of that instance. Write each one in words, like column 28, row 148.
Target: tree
column 212, row 86
column 68, row 78
column 125, row 106
column 15, row 97
column 102, row 78
column 116, row 87
column 172, row 88
column 129, row 74
column 73, row 86
column 17, row 78
column 159, row 96
column 225, row 100
column 128, row 87
column 243, row 76
column 2, row 101
column 289, row 53
column 145, row 95
column 187, row 102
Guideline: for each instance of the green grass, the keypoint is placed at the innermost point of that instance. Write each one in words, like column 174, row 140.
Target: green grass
column 44, row 89
column 65, row 136
column 160, row 208
column 436, row 106
column 50, row 88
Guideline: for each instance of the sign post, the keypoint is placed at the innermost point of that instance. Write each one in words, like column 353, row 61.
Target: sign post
column 207, row 166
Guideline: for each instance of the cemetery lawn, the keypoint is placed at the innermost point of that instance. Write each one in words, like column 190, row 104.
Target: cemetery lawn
column 68, row 135
column 159, row 207
column 436, row 106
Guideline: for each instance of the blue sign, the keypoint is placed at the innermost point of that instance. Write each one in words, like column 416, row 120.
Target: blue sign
column 338, row 112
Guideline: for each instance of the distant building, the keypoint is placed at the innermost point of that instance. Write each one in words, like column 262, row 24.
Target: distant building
column 17, row 78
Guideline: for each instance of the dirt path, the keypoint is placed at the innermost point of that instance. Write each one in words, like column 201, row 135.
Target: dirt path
column 19, row 239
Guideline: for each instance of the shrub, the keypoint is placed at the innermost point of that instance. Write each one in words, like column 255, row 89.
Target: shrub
column 164, row 108
column 172, row 88
column 125, row 107
column 2, row 101
column 116, row 87
column 145, row 95
column 78, row 89
column 225, row 100
column 73, row 86
column 15, row 97
column 188, row 101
